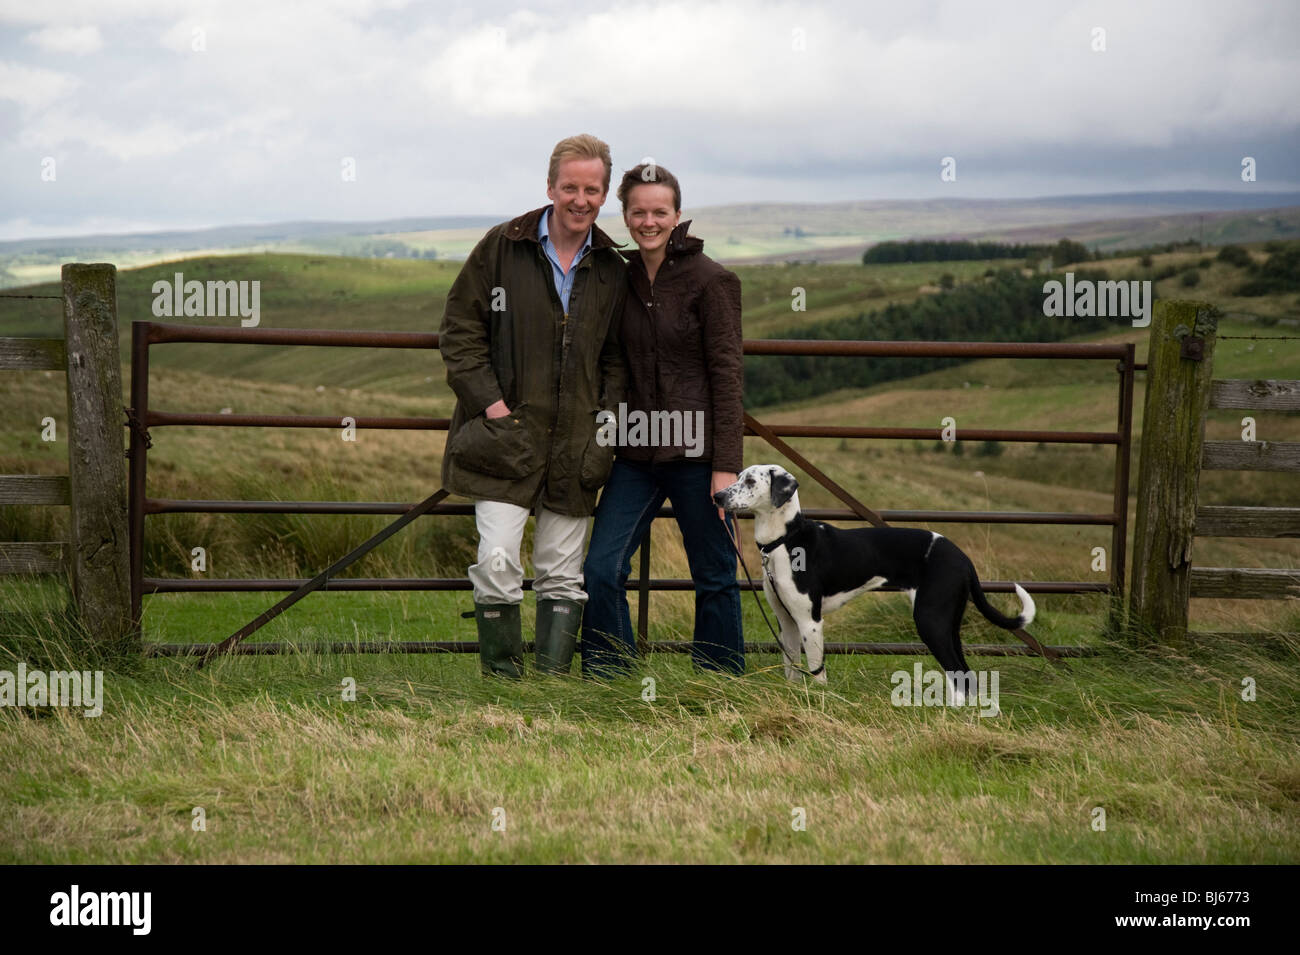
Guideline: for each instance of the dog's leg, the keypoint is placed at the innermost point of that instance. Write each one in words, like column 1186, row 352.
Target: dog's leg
column 789, row 632
column 790, row 646
column 938, row 612
column 958, row 613
column 815, row 649
column 959, row 689
column 790, row 643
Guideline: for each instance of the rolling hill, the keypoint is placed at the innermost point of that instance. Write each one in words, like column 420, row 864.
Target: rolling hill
column 749, row 232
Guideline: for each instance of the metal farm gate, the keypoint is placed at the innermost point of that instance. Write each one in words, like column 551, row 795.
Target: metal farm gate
column 144, row 419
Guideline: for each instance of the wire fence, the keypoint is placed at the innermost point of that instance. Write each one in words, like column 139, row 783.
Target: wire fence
column 1259, row 338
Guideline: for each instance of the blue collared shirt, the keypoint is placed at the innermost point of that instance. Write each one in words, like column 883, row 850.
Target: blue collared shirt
column 563, row 280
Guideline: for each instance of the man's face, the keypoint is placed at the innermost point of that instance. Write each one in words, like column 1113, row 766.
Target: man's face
column 578, row 193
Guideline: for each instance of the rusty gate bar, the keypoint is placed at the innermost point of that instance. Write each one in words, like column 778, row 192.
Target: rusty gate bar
column 661, row 646
column 176, row 585
column 642, row 587
column 141, row 418
column 211, row 420
column 161, row 505
column 1119, row 531
column 162, row 332
column 772, row 346
column 137, row 454
column 967, row 434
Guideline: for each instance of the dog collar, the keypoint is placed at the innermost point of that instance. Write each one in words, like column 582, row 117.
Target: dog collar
column 772, row 545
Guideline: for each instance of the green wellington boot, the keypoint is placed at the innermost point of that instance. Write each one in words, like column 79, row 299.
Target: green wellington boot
column 500, row 640
column 558, row 622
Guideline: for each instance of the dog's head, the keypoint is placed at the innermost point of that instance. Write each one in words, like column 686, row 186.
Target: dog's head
column 760, row 488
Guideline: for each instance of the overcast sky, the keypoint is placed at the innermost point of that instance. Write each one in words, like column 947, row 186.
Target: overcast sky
column 176, row 115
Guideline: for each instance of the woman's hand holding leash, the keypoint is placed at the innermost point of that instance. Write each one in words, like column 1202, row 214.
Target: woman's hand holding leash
column 721, row 480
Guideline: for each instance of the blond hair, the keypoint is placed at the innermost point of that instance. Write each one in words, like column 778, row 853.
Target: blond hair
column 583, row 146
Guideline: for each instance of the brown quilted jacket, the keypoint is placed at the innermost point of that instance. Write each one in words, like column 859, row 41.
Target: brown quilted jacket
column 682, row 338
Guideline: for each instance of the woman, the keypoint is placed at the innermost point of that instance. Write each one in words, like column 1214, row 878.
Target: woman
column 684, row 428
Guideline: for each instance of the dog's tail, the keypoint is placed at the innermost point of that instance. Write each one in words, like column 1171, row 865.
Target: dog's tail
column 1027, row 608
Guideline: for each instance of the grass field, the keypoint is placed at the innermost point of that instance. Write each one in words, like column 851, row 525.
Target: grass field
column 713, row 767
column 429, row 756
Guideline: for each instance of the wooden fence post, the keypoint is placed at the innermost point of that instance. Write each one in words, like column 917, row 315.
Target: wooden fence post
column 1179, row 370
column 98, row 558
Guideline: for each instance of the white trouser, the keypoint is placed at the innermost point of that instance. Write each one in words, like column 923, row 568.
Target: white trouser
column 498, row 577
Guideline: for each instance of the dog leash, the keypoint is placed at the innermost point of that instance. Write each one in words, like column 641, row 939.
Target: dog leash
column 775, row 593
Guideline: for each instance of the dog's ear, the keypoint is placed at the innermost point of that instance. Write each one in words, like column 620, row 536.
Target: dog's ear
column 783, row 487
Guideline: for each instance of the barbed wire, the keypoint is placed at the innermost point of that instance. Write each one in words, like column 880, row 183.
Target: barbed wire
column 57, row 297
column 1259, row 338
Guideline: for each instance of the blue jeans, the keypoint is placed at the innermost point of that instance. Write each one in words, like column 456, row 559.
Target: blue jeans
column 634, row 493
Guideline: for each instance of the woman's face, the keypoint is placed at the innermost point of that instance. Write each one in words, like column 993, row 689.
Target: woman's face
column 650, row 215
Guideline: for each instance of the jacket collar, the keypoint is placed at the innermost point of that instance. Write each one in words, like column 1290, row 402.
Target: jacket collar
column 524, row 229
column 679, row 242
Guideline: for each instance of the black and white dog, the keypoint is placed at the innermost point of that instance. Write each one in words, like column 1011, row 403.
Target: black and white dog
column 811, row 569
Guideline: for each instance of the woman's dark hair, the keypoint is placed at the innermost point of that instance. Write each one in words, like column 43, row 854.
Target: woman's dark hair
column 648, row 172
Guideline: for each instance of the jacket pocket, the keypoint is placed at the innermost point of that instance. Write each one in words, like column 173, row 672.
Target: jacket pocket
column 597, row 461
column 499, row 447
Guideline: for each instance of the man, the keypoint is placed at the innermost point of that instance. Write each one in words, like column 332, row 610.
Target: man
column 530, row 342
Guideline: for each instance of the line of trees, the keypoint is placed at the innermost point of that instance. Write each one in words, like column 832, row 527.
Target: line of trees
column 1006, row 307
column 1278, row 274
column 941, row 250
column 964, row 250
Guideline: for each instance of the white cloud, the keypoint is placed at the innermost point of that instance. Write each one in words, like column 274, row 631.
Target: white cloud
column 454, row 108
column 153, row 138
column 32, row 87
column 62, row 129
column 75, row 40
column 955, row 76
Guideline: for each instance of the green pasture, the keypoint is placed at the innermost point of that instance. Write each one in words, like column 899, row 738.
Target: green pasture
column 428, row 755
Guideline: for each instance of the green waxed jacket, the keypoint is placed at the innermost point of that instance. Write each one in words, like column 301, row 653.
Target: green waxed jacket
column 505, row 336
